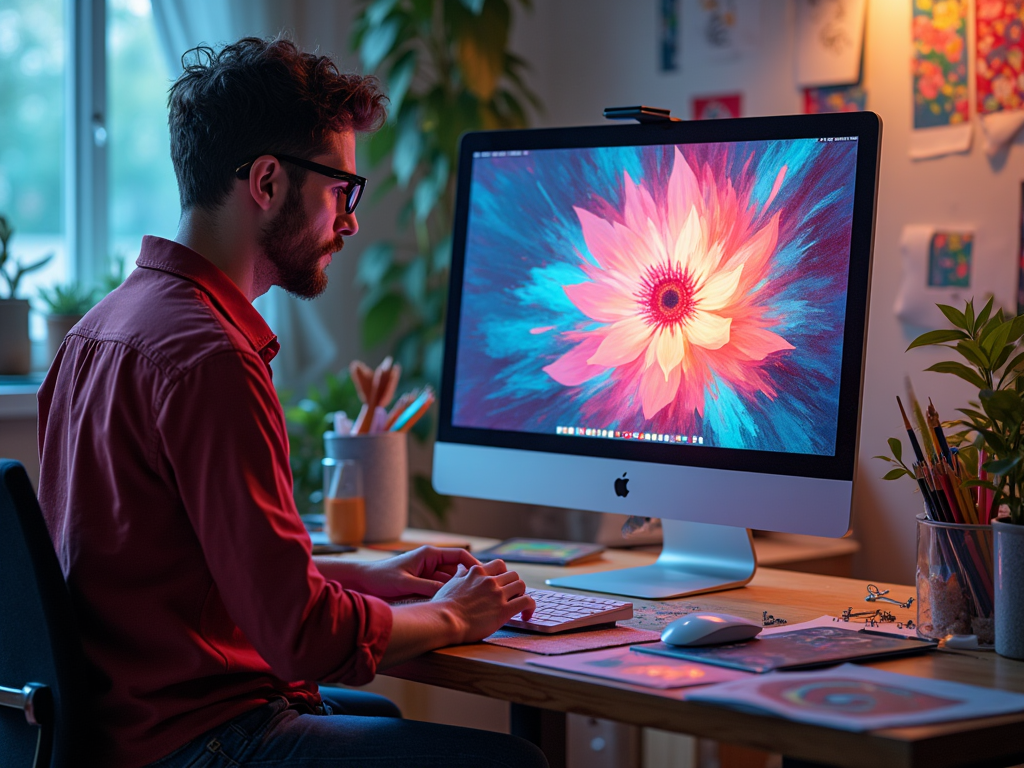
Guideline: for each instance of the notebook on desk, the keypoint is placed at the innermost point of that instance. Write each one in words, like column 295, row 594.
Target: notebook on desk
column 800, row 649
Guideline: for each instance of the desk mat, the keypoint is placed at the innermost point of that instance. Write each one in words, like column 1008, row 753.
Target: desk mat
column 571, row 642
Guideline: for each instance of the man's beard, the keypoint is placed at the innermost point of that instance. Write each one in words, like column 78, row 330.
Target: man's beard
column 294, row 252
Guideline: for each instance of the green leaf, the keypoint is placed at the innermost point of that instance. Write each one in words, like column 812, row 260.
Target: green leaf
column 374, row 262
column 430, row 188
column 380, row 144
column 896, row 447
column 473, row 6
column 383, row 319
column 433, row 359
column 972, row 325
column 1003, row 406
column 937, row 337
column 378, row 10
column 415, row 280
column 441, row 258
column 1013, row 365
column 972, row 351
column 954, row 315
column 377, row 43
column 885, row 458
column 1018, row 328
column 995, row 339
column 985, row 312
column 961, row 370
column 483, row 38
column 408, row 147
column 400, row 78
column 1002, row 466
column 894, row 474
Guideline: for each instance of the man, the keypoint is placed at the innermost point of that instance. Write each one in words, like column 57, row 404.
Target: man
column 164, row 462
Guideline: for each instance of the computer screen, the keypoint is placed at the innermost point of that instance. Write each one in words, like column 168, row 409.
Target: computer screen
column 686, row 296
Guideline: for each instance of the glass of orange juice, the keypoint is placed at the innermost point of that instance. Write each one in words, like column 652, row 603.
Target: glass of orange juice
column 344, row 504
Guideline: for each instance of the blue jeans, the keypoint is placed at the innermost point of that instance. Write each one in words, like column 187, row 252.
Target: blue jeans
column 355, row 729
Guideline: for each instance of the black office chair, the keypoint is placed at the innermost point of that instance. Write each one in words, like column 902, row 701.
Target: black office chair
column 42, row 671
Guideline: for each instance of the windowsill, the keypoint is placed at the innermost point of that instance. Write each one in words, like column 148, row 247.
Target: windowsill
column 18, row 396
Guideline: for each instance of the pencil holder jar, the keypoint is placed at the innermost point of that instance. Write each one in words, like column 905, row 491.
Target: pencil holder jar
column 954, row 580
column 384, row 458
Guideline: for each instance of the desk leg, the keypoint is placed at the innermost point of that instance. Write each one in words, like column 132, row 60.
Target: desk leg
column 542, row 727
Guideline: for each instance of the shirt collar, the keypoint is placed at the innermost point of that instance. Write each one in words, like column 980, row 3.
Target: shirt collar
column 177, row 259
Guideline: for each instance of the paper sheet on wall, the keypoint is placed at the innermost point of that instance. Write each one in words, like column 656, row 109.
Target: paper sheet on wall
column 723, row 30
column 999, row 70
column 829, row 41
column 936, row 270
column 839, row 98
column 717, row 107
column 941, row 102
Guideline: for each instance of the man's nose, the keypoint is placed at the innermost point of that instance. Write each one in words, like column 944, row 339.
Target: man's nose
column 346, row 224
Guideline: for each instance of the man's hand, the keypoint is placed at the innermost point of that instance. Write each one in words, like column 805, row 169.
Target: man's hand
column 482, row 598
column 472, row 604
column 421, row 572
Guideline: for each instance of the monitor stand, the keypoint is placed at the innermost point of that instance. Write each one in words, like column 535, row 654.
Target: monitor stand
column 695, row 558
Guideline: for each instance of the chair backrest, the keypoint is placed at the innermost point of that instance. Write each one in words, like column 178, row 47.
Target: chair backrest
column 39, row 642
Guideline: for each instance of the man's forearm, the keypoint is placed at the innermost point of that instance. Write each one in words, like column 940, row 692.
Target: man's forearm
column 417, row 629
column 351, row 575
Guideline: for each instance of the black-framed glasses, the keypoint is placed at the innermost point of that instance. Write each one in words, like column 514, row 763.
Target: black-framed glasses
column 353, row 192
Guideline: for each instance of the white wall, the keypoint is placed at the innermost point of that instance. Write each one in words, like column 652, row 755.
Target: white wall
column 588, row 55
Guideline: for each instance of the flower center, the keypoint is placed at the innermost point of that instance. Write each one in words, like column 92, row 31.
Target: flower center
column 666, row 296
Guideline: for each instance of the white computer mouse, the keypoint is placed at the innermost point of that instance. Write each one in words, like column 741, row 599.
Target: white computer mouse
column 704, row 628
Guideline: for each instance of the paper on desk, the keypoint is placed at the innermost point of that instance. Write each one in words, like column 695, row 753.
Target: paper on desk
column 886, row 628
column 851, row 697
column 624, row 665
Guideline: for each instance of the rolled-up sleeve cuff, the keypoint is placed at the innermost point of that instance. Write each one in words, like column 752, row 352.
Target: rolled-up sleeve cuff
column 372, row 638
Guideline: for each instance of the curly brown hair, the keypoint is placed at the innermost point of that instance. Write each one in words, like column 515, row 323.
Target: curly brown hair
column 259, row 96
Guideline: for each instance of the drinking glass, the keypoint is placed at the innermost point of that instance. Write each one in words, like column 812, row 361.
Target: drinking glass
column 344, row 503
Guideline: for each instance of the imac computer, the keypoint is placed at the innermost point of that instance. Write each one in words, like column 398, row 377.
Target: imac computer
column 667, row 320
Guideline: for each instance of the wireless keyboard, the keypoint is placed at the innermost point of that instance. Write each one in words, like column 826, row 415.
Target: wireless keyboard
column 559, row 611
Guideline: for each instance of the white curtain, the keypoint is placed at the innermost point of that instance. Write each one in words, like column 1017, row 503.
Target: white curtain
column 308, row 348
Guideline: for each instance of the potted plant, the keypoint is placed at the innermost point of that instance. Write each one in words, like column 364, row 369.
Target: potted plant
column 990, row 433
column 65, row 305
column 15, row 345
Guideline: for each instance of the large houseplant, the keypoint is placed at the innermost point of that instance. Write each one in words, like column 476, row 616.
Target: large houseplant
column 15, row 345
column 990, row 434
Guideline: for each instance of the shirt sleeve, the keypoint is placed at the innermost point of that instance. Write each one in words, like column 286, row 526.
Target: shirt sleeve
column 223, row 434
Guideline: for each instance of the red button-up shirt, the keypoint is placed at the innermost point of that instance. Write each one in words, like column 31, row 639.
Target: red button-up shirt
column 165, row 484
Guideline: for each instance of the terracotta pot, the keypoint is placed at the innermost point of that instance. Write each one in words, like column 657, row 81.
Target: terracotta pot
column 57, row 327
column 15, row 346
column 1009, row 588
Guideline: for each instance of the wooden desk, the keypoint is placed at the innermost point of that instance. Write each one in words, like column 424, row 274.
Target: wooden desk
column 502, row 673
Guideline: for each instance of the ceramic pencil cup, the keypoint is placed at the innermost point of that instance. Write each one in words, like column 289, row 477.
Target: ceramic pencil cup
column 384, row 459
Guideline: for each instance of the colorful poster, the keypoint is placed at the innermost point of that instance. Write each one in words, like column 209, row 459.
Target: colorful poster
column 941, row 102
column 627, row 666
column 668, row 36
column 840, row 98
column 999, row 70
column 1020, row 256
column 723, row 30
column 949, row 260
column 715, row 107
column 936, row 270
column 829, row 41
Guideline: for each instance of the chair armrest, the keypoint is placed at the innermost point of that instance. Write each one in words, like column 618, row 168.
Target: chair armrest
column 34, row 699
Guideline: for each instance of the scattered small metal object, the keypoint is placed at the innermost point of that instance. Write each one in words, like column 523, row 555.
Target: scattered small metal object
column 869, row 617
column 768, row 620
column 874, row 594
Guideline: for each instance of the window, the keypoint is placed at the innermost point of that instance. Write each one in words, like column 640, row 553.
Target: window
column 33, row 127
column 40, row 138
column 142, row 193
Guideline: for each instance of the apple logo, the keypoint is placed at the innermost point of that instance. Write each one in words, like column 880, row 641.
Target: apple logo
column 620, row 486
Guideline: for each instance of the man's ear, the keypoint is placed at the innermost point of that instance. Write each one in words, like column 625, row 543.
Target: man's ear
column 268, row 182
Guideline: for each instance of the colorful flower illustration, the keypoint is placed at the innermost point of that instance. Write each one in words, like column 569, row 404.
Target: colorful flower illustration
column 691, row 290
column 1000, row 56
column 940, row 67
column 675, row 293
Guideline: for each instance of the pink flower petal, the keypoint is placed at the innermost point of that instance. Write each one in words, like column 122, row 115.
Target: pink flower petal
column 718, row 290
column 656, row 390
column 613, row 246
column 690, row 244
column 572, row 368
column 625, row 341
column 683, row 192
column 708, row 330
column 757, row 343
column 669, row 347
column 601, row 301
